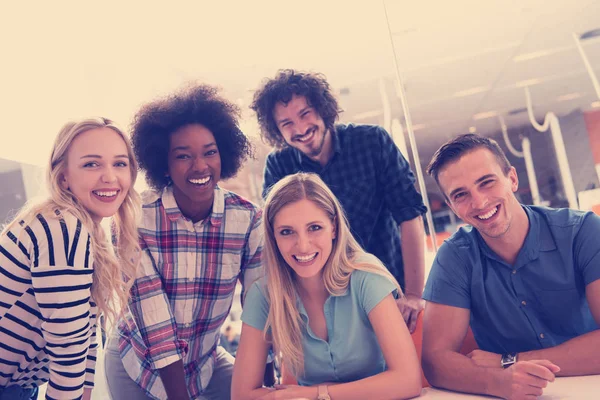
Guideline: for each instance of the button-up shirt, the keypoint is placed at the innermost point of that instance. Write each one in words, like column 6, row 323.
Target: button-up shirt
column 538, row 302
column 185, row 287
column 371, row 179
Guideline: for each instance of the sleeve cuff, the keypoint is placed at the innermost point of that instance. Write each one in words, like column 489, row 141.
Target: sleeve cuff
column 163, row 354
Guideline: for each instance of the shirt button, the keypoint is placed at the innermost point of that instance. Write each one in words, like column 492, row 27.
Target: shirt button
column 541, row 336
column 524, row 303
column 514, row 271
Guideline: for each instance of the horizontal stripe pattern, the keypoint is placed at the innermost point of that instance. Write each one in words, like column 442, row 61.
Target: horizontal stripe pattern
column 47, row 317
column 185, row 286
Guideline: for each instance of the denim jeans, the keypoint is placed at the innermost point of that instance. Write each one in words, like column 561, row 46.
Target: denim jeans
column 18, row 393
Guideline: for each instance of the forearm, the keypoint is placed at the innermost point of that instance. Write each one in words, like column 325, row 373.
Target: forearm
column 173, row 379
column 578, row 356
column 413, row 255
column 451, row 370
column 387, row 385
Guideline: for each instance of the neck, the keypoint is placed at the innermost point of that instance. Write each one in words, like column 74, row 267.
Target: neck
column 195, row 211
column 508, row 245
column 312, row 288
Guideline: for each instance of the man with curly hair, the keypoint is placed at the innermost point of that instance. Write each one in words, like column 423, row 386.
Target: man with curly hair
column 361, row 164
column 197, row 241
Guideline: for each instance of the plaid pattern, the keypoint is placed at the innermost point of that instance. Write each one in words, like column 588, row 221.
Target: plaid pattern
column 185, row 288
column 372, row 180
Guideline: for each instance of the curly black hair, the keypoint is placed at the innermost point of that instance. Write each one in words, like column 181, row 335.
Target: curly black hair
column 194, row 104
column 287, row 83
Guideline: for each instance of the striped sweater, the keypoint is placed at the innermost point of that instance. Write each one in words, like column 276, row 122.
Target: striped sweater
column 47, row 317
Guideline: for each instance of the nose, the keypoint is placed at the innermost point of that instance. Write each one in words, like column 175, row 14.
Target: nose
column 478, row 200
column 109, row 175
column 199, row 164
column 303, row 243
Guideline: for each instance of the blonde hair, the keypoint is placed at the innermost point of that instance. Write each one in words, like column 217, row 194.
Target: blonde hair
column 113, row 272
column 346, row 254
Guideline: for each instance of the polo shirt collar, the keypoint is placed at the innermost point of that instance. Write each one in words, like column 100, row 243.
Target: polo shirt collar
column 174, row 213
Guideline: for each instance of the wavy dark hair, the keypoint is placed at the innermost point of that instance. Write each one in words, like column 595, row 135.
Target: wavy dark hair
column 287, row 83
column 194, row 104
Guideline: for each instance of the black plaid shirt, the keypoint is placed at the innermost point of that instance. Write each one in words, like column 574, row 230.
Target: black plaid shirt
column 372, row 180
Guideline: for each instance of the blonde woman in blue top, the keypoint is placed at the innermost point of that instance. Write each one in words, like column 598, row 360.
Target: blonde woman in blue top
column 326, row 306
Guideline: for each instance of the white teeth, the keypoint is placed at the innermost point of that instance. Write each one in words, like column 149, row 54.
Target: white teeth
column 306, row 258
column 306, row 137
column 489, row 214
column 201, row 181
column 106, row 194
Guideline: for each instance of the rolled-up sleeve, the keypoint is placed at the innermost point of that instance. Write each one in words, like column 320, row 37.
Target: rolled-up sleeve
column 152, row 312
column 395, row 175
column 448, row 281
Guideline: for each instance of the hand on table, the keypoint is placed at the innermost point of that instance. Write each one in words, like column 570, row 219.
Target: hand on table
column 527, row 379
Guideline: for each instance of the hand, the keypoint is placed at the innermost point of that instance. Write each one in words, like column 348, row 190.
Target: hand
column 527, row 379
column 410, row 306
column 485, row 359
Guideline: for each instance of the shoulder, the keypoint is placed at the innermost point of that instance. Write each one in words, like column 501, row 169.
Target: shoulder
column 360, row 132
column 461, row 247
column 235, row 201
column 54, row 224
column 278, row 156
column 560, row 217
column 150, row 198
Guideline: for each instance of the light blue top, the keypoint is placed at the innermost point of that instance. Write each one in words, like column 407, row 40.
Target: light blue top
column 352, row 351
column 538, row 302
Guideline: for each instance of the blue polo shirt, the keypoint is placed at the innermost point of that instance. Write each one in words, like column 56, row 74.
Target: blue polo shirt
column 538, row 302
column 352, row 351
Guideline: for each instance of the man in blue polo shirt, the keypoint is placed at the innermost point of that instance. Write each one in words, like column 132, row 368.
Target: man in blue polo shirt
column 360, row 164
column 526, row 278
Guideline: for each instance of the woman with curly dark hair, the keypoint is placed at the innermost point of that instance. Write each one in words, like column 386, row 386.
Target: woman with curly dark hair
column 197, row 240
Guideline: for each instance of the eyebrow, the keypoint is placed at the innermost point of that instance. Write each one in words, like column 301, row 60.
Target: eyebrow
column 483, row 178
column 188, row 147
column 99, row 156
column 308, row 224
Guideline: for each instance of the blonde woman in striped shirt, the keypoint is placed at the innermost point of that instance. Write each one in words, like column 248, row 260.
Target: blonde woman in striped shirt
column 58, row 271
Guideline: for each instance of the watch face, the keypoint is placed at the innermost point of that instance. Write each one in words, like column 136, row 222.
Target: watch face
column 508, row 360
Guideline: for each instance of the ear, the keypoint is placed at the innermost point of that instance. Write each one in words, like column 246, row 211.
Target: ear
column 514, row 179
column 63, row 182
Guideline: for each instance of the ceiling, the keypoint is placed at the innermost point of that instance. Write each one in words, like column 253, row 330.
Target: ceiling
column 459, row 60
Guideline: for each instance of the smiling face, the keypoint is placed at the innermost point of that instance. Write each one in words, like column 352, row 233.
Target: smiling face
column 481, row 194
column 97, row 171
column 304, row 234
column 195, row 168
column 303, row 128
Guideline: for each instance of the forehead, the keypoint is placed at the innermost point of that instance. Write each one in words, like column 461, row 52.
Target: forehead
column 299, row 213
column 191, row 135
column 101, row 141
column 296, row 103
column 468, row 169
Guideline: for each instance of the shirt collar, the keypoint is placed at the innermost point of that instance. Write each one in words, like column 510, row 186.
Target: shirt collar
column 539, row 238
column 174, row 213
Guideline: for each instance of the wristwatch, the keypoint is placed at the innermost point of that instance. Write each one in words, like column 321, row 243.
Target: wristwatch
column 323, row 393
column 508, row 359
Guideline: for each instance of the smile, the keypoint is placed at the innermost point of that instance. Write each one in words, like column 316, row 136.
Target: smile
column 305, row 259
column 200, row 181
column 307, row 137
column 489, row 214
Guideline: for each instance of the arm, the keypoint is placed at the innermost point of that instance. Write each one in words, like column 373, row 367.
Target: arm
column 413, row 259
column 152, row 312
column 252, row 269
column 90, row 367
column 62, row 282
column 444, row 329
column 580, row 355
column 249, row 367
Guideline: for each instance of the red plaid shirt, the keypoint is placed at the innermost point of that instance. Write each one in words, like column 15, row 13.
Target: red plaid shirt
column 185, row 286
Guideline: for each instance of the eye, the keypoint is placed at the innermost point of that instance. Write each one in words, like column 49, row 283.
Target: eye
column 182, row 156
column 285, row 232
column 487, row 182
column 90, row 164
column 285, row 124
column 121, row 164
column 314, row 227
column 459, row 195
column 304, row 114
column 211, row 152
